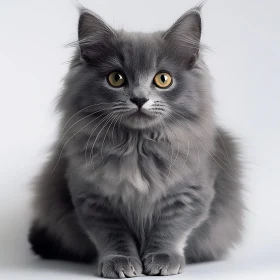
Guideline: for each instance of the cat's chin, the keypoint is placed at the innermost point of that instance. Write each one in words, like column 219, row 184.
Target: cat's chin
column 140, row 119
column 141, row 123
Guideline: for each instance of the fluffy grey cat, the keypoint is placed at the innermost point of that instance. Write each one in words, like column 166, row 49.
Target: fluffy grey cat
column 141, row 179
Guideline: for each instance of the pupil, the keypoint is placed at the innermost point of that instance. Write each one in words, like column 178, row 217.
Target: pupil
column 163, row 78
column 117, row 77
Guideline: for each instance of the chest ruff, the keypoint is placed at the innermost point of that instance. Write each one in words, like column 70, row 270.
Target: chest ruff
column 138, row 167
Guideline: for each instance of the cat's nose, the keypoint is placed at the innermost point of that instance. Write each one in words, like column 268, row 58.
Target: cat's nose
column 139, row 101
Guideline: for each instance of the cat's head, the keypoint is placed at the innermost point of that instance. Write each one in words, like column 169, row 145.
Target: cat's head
column 140, row 80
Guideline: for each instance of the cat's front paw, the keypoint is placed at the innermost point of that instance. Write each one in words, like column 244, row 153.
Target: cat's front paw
column 118, row 266
column 163, row 263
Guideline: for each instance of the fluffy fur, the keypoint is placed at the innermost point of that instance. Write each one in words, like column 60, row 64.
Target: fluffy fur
column 141, row 190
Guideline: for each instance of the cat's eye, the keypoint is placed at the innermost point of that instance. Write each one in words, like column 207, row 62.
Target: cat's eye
column 163, row 80
column 116, row 79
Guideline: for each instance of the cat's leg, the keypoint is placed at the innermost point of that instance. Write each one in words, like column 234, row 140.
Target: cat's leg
column 55, row 232
column 213, row 239
column 222, row 230
column 180, row 213
column 48, row 244
column 118, row 254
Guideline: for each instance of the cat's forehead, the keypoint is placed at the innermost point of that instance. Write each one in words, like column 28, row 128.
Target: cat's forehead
column 140, row 51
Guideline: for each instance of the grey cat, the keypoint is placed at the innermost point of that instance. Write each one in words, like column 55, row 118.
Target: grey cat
column 142, row 179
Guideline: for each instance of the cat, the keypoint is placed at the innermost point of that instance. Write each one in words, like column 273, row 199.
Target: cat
column 141, row 180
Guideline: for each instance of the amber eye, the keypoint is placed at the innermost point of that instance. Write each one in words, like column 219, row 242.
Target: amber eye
column 116, row 79
column 163, row 80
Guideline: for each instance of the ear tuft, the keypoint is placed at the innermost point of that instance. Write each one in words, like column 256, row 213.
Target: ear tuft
column 90, row 23
column 185, row 35
column 93, row 33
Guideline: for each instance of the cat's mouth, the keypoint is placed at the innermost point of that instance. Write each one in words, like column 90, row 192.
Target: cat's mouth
column 142, row 114
column 140, row 119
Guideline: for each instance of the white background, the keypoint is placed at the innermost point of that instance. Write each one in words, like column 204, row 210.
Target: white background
column 245, row 60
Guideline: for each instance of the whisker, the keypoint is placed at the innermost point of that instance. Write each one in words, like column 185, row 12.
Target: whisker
column 67, row 142
column 212, row 138
column 103, row 119
column 226, row 155
column 215, row 129
column 79, row 121
column 198, row 156
column 208, row 152
column 170, row 144
column 170, row 158
column 87, row 108
column 175, row 157
column 126, row 144
column 114, row 126
column 112, row 120
column 107, row 121
column 188, row 151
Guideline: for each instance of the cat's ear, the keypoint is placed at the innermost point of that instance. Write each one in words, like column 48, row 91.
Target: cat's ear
column 184, row 35
column 93, row 34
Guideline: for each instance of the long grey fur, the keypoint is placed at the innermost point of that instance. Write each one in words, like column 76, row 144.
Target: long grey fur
column 140, row 194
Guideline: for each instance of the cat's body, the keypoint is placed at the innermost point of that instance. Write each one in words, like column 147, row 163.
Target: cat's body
column 137, row 191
